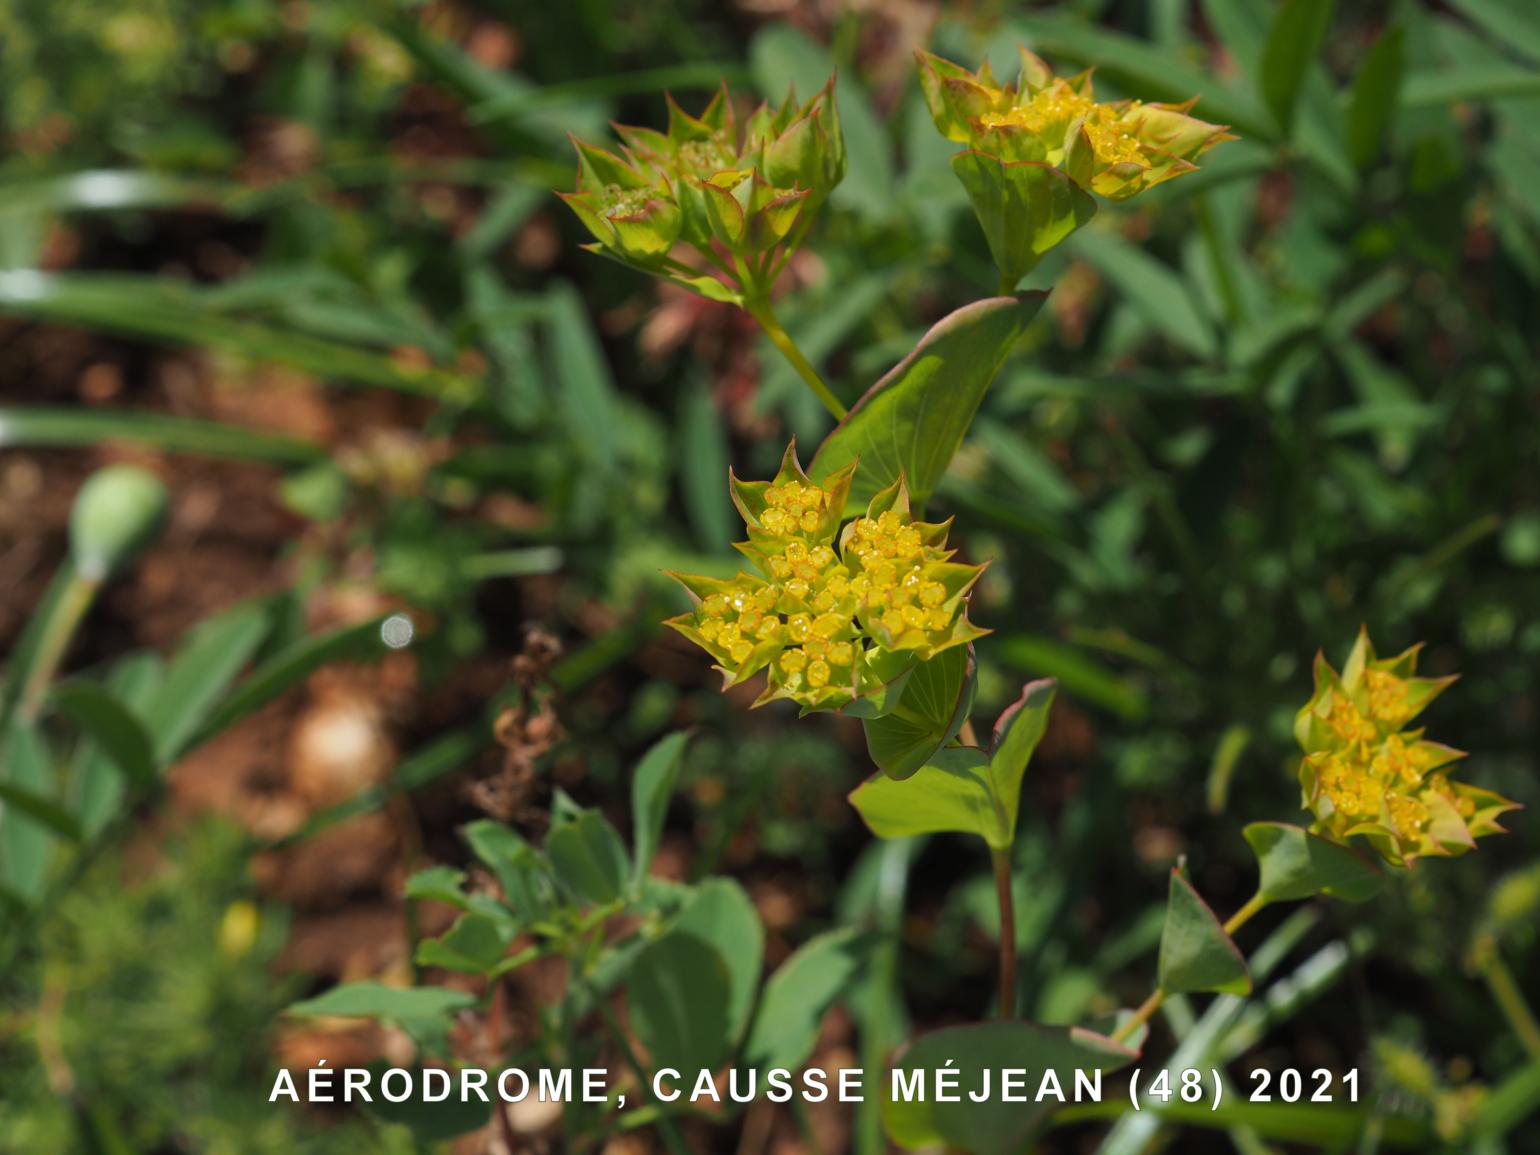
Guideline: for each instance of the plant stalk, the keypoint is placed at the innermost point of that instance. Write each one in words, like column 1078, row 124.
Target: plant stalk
column 1005, row 893
column 1510, row 999
column 74, row 601
column 759, row 309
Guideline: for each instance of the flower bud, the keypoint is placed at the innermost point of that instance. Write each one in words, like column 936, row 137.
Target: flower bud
column 117, row 513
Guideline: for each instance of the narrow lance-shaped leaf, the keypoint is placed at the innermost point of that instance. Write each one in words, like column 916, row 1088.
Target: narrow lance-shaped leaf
column 1195, row 952
column 1298, row 31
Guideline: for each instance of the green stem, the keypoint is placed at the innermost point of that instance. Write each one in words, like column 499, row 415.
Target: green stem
column 1007, row 286
column 1004, row 894
column 1245, row 914
column 1158, row 996
column 74, row 600
column 1510, row 1000
column 759, row 309
column 670, row 1135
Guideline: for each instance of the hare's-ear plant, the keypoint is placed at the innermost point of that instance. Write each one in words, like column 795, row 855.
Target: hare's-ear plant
column 853, row 602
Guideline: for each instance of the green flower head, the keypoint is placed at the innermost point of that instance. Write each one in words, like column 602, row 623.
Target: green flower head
column 740, row 195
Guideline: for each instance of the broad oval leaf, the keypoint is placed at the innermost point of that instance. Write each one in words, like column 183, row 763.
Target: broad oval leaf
column 1296, row 864
column 934, row 704
column 475, row 944
column 913, row 420
column 588, row 857
column 952, row 792
column 1195, row 952
column 995, row 1126
column 798, row 996
column 690, row 991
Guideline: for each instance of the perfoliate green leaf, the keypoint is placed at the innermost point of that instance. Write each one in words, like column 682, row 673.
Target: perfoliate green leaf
column 1024, row 207
column 1017, row 732
column 952, row 792
column 933, row 706
column 799, row 994
column 1195, row 952
column 588, row 857
column 912, row 422
column 1296, row 864
column 651, row 787
column 994, row 1126
column 961, row 788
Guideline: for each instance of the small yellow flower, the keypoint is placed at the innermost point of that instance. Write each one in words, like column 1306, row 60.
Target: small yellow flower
column 1365, row 774
column 833, row 614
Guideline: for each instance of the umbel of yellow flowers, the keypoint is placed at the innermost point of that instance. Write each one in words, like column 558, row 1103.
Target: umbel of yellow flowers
column 1038, row 148
column 1365, row 773
column 1115, row 149
column 837, row 610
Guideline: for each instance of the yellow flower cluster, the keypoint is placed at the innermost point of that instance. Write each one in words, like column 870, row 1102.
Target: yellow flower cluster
column 836, row 615
column 1115, row 149
column 1364, row 774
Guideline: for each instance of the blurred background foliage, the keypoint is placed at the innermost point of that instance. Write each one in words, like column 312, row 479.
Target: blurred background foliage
column 302, row 260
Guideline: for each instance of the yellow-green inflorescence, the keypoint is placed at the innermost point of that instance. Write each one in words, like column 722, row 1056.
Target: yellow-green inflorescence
column 834, row 613
column 1364, row 773
column 740, row 195
column 1115, row 149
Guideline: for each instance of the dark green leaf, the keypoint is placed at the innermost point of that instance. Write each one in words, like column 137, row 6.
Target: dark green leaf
column 913, row 420
column 1195, row 952
column 1298, row 31
column 588, row 857
column 678, row 996
column 114, row 729
column 651, row 787
column 1376, row 89
column 1296, row 864
column 27, row 814
column 213, row 653
column 720, row 913
column 429, row 1120
column 994, row 1126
